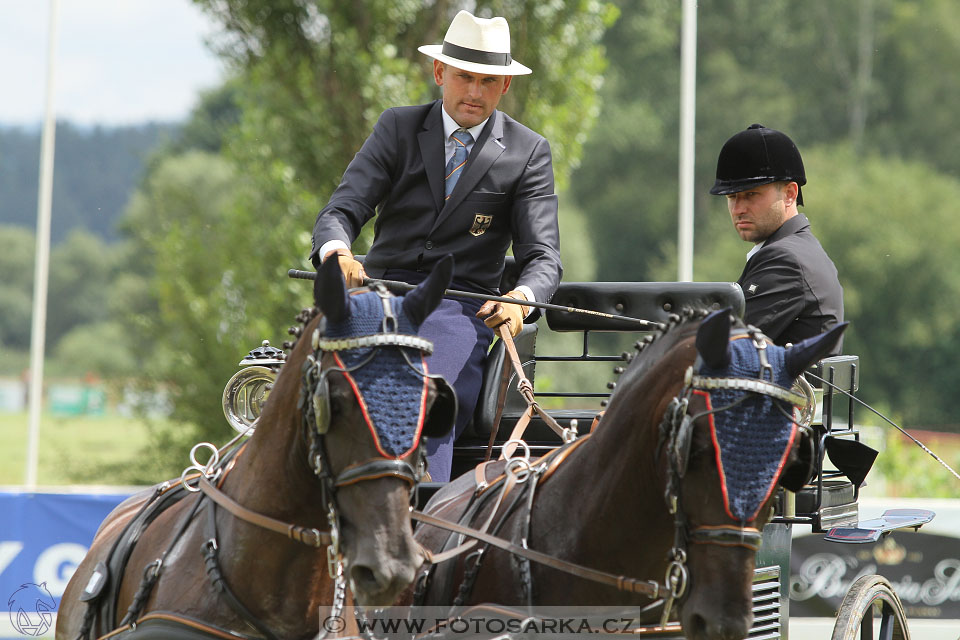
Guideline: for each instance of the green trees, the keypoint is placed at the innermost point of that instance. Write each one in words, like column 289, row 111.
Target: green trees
column 81, row 269
column 93, row 171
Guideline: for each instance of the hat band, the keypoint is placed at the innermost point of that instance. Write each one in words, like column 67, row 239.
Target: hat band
column 476, row 55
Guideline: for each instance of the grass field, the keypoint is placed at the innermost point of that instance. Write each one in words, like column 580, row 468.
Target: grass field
column 73, row 450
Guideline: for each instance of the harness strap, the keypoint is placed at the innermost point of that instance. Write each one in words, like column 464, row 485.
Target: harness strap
column 151, row 573
column 215, row 574
column 376, row 468
column 727, row 536
column 648, row 588
column 171, row 622
column 552, row 461
column 508, row 485
column 555, row 459
column 526, row 390
column 305, row 535
column 501, row 401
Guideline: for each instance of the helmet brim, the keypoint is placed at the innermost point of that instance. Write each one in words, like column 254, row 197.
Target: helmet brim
column 726, row 187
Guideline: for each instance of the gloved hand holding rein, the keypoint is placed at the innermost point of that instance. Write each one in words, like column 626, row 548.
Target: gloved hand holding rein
column 496, row 313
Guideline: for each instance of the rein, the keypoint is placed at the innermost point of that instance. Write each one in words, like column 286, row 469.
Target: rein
column 305, row 535
column 525, row 388
column 622, row 583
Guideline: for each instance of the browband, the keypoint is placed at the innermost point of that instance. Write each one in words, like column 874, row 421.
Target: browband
column 747, row 384
column 376, row 340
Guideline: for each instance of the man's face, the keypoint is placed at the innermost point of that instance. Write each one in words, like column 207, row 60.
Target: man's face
column 758, row 212
column 469, row 98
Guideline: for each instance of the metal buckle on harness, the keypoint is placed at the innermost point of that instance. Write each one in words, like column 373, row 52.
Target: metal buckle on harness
column 334, row 561
column 761, row 345
column 676, row 581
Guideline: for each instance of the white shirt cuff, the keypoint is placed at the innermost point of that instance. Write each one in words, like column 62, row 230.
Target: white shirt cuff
column 528, row 293
column 331, row 245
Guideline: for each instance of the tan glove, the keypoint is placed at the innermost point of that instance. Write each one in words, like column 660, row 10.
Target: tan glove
column 353, row 273
column 496, row 313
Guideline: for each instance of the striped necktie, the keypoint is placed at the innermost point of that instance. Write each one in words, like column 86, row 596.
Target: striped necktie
column 461, row 138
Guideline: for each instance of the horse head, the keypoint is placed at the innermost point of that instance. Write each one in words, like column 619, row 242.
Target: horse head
column 367, row 402
column 728, row 438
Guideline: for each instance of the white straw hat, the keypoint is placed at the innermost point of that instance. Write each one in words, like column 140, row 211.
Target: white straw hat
column 478, row 45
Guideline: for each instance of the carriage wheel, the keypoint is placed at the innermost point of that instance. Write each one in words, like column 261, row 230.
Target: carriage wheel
column 871, row 599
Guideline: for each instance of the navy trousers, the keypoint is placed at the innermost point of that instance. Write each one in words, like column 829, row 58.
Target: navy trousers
column 460, row 345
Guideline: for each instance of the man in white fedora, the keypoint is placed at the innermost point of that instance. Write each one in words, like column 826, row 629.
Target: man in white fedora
column 454, row 176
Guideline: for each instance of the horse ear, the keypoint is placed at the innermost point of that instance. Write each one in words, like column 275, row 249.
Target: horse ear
column 330, row 291
column 420, row 302
column 713, row 339
column 443, row 411
column 805, row 353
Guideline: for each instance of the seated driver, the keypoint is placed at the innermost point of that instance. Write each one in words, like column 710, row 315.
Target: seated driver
column 454, row 176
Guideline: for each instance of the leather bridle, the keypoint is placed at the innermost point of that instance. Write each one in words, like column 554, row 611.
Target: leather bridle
column 314, row 397
column 676, row 434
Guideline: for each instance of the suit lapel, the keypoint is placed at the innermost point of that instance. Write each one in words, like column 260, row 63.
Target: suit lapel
column 431, row 149
column 788, row 228
column 485, row 152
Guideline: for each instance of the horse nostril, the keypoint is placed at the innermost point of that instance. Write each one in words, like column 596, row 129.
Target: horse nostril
column 365, row 579
column 697, row 627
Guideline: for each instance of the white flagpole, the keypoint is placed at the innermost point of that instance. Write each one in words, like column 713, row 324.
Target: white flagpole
column 42, row 263
column 688, row 112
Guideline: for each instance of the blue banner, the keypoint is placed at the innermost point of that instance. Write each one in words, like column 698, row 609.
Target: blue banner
column 43, row 537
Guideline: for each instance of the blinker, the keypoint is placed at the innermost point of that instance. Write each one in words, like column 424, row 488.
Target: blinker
column 321, row 404
column 681, row 445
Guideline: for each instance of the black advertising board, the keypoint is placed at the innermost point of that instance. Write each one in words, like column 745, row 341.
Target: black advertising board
column 924, row 569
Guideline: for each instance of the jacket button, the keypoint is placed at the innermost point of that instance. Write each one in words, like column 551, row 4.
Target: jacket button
column 428, row 245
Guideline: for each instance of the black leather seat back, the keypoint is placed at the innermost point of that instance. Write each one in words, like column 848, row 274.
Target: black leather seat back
column 653, row 301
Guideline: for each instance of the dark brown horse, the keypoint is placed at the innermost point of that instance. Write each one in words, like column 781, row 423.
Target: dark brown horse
column 680, row 472
column 324, row 485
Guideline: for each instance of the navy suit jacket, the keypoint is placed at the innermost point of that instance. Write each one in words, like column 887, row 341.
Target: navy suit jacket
column 791, row 286
column 505, row 194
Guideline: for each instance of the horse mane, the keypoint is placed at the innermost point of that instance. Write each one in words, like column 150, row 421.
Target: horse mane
column 648, row 350
column 303, row 319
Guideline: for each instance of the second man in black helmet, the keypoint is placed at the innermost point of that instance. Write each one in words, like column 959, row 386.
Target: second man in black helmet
column 789, row 283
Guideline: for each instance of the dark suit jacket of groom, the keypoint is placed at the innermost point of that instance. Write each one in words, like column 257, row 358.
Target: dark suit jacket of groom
column 791, row 286
column 505, row 193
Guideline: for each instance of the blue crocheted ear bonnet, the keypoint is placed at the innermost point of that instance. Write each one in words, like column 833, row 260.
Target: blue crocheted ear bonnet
column 754, row 437
column 391, row 388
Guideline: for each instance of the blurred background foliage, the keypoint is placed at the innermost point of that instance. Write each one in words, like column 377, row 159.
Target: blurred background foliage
column 191, row 272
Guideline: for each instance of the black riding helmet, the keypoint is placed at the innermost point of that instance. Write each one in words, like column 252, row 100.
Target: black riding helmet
column 757, row 156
